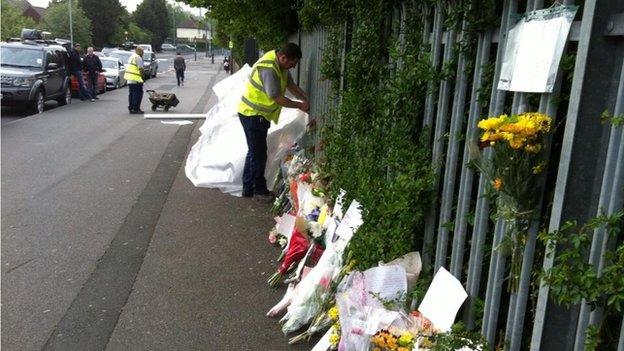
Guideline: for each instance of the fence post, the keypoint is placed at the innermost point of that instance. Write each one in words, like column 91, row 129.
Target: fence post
column 580, row 167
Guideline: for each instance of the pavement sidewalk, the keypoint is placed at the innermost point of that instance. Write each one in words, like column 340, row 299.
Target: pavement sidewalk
column 202, row 284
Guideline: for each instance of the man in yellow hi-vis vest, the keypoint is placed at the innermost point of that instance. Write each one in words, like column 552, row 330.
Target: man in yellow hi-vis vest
column 134, row 76
column 260, row 104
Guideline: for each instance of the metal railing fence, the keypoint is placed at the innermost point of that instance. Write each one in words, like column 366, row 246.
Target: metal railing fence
column 585, row 179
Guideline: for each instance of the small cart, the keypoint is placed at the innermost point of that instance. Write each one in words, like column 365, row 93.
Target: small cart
column 161, row 99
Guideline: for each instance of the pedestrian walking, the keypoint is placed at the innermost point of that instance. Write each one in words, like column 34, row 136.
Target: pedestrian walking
column 262, row 103
column 180, row 66
column 93, row 66
column 75, row 64
column 134, row 76
column 226, row 65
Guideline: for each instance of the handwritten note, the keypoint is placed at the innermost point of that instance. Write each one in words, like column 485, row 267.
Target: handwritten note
column 351, row 221
column 388, row 282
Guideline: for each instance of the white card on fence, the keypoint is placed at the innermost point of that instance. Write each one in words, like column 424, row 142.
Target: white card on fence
column 287, row 224
column 389, row 282
column 443, row 299
column 323, row 344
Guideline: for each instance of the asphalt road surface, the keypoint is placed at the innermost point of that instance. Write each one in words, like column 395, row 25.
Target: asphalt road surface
column 107, row 246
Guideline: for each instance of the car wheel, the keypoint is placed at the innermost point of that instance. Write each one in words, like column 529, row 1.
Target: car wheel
column 155, row 72
column 38, row 104
column 66, row 98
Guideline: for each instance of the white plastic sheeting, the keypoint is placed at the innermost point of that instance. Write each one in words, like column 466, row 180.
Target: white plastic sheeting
column 218, row 157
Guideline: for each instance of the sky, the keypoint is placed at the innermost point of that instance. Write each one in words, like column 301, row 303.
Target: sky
column 129, row 4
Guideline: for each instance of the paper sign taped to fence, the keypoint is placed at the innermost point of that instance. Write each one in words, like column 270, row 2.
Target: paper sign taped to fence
column 534, row 48
column 443, row 299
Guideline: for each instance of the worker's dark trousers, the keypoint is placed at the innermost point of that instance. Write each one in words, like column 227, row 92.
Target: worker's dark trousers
column 256, row 128
column 135, row 95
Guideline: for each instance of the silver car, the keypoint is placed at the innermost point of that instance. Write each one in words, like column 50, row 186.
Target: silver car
column 114, row 72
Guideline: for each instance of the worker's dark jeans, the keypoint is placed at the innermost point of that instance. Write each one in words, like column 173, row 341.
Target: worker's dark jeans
column 256, row 128
column 93, row 87
column 180, row 76
column 135, row 94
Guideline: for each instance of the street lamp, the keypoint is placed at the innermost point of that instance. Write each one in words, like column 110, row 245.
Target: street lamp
column 71, row 28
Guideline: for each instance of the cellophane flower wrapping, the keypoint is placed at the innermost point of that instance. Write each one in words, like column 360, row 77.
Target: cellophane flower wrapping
column 314, row 288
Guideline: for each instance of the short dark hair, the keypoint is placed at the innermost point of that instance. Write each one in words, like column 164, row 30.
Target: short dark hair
column 291, row 50
column 178, row 53
column 77, row 44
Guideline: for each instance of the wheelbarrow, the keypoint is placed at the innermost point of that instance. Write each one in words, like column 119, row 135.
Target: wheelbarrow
column 161, row 99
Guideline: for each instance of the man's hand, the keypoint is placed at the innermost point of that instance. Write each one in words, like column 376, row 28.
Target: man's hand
column 305, row 106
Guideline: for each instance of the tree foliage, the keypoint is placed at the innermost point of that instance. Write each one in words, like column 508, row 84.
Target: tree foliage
column 269, row 22
column 56, row 21
column 104, row 16
column 153, row 16
column 13, row 21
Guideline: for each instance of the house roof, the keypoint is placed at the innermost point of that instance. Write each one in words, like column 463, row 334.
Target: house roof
column 40, row 10
column 189, row 23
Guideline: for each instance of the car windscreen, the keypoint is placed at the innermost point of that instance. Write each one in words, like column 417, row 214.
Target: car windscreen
column 147, row 56
column 109, row 64
column 122, row 56
column 21, row 57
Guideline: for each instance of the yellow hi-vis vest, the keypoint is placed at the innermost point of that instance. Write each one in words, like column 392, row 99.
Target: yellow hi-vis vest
column 255, row 101
column 133, row 72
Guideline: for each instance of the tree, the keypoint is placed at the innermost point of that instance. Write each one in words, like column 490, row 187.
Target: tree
column 56, row 21
column 269, row 22
column 104, row 16
column 178, row 15
column 13, row 21
column 152, row 15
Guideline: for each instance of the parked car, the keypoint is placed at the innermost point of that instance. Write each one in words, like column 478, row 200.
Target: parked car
column 150, row 65
column 99, row 54
column 32, row 73
column 122, row 55
column 101, row 83
column 107, row 51
column 168, row 47
column 185, row 48
column 114, row 72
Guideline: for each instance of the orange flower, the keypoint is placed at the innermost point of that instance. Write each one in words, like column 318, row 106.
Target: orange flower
column 497, row 183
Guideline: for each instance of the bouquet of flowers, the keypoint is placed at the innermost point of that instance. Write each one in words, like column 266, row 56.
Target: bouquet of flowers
column 387, row 340
column 517, row 144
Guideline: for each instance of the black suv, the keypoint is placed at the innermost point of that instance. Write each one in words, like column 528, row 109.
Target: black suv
column 32, row 72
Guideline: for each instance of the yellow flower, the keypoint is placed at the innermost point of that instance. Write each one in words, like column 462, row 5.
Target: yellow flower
column 497, row 183
column 405, row 339
column 535, row 148
column 333, row 313
column 517, row 143
column 538, row 169
column 400, row 348
column 542, row 121
column 334, row 339
column 492, row 122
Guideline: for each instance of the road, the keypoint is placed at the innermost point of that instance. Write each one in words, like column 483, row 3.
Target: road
column 107, row 246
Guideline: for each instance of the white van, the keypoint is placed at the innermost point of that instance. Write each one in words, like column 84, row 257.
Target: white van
column 146, row 47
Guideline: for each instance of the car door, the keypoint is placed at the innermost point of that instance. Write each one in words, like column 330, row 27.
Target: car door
column 122, row 71
column 54, row 82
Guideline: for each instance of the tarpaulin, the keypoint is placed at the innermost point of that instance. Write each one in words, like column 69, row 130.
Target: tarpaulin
column 218, row 157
